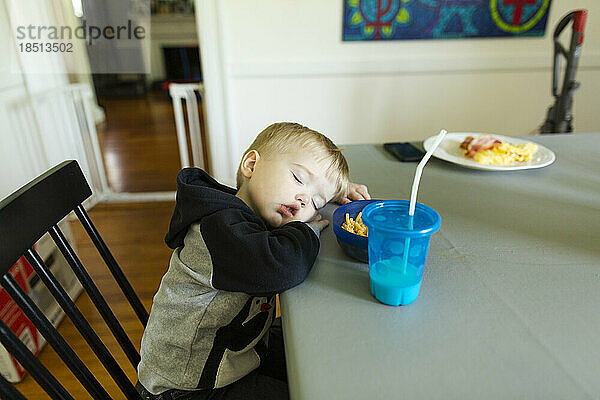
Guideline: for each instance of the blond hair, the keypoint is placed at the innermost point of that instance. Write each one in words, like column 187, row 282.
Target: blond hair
column 283, row 137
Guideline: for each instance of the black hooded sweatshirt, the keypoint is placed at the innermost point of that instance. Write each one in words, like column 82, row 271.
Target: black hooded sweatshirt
column 281, row 258
column 216, row 301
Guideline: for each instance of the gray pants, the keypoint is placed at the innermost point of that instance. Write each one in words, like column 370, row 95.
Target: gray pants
column 268, row 382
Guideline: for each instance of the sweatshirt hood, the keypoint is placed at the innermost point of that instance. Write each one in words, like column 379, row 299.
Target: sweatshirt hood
column 198, row 195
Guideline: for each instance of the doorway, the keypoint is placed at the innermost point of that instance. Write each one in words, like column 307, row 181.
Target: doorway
column 138, row 137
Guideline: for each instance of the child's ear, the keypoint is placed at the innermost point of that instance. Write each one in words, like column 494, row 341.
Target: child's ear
column 249, row 163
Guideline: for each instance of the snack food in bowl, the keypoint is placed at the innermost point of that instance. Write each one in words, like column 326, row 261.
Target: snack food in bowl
column 353, row 244
column 357, row 227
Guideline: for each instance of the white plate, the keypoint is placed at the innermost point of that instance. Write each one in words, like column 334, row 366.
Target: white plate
column 449, row 150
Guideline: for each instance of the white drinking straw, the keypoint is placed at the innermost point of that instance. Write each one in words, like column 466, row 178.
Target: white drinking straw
column 415, row 189
column 415, row 186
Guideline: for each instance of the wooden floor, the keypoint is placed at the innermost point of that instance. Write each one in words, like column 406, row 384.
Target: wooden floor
column 134, row 233
column 139, row 143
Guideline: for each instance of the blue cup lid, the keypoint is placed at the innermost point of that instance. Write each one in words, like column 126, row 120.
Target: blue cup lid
column 392, row 216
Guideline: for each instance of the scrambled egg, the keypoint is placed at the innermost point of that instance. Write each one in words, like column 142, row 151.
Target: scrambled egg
column 506, row 153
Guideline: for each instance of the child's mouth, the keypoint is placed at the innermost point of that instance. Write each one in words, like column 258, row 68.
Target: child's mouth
column 288, row 211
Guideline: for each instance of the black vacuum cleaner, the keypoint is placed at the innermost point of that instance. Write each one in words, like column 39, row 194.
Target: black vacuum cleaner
column 560, row 116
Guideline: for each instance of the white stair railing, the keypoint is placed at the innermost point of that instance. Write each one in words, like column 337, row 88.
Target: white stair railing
column 68, row 131
column 66, row 119
column 187, row 92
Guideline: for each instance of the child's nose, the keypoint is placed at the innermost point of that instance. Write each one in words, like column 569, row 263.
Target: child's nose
column 303, row 199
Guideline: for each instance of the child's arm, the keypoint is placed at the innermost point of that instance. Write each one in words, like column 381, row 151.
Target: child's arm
column 247, row 257
column 356, row 191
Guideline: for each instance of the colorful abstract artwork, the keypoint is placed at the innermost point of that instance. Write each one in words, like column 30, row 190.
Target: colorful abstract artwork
column 443, row 19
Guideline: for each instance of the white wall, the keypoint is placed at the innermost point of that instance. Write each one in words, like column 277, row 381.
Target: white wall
column 20, row 158
column 24, row 13
column 39, row 127
column 285, row 60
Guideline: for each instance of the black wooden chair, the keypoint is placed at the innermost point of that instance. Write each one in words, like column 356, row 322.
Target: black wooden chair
column 25, row 216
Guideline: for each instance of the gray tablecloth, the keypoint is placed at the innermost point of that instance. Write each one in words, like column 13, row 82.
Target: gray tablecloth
column 510, row 302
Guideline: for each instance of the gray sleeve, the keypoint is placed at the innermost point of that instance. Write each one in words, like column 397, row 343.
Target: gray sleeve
column 314, row 229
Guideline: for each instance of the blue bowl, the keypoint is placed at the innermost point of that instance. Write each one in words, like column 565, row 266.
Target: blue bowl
column 355, row 246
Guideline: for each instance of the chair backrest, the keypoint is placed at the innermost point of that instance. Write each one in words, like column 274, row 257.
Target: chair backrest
column 25, row 216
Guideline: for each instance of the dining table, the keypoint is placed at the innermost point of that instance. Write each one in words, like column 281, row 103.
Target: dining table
column 509, row 306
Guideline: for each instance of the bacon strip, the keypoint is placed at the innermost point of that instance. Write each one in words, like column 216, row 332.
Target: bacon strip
column 472, row 146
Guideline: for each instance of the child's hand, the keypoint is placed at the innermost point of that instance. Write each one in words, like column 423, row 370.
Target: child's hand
column 318, row 223
column 356, row 191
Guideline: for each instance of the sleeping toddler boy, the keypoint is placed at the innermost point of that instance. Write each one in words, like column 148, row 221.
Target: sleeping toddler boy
column 209, row 334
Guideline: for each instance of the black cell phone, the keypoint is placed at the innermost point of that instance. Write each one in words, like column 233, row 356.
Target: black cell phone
column 405, row 151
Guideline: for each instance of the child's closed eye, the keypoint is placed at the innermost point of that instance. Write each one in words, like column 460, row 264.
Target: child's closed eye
column 296, row 178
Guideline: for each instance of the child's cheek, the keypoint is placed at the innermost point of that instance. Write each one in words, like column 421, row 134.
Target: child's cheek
column 308, row 215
